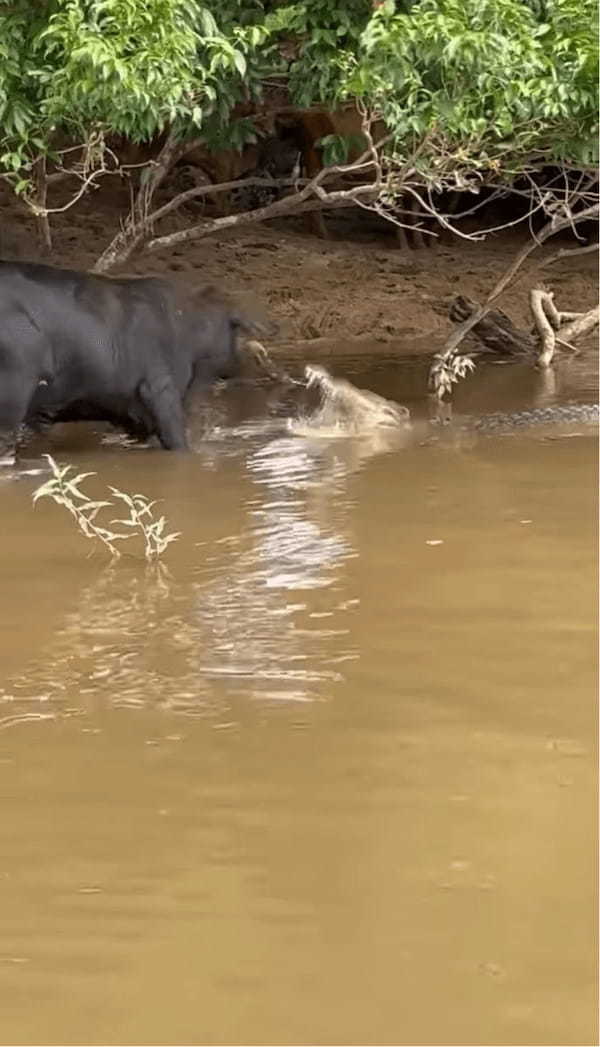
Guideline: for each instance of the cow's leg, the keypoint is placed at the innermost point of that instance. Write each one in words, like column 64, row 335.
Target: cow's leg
column 315, row 224
column 15, row 394
column 23, row 350
column 163, row 403
column 417, row 235
column 452, row 206
column 401, row 238
column 313, row 127
column 137, row 430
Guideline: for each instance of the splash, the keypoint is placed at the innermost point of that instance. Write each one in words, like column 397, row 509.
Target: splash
column 347, row 411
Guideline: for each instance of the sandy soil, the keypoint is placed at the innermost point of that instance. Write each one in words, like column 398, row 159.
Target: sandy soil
column 356, row 292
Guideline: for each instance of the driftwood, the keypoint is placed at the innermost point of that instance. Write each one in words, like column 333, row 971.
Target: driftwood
column 549, row 323
column 550, row 229
column 495, row 330
column 498, row 334
column 580, row 324
column 448, row 366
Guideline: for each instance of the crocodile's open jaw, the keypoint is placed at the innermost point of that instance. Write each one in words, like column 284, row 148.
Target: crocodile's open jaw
column 316, row 376
column 346, row 407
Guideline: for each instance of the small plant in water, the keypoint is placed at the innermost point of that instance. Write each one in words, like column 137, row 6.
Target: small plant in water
column 65, row 490
column 140, row 517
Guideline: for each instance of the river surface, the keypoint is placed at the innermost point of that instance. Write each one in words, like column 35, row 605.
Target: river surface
column 332, row 778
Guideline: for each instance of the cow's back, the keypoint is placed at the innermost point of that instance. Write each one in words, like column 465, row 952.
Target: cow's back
column 126, row 350
column 89, row 323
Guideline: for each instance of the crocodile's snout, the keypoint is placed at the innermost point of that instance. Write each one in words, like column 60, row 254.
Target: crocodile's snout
column 316, row 375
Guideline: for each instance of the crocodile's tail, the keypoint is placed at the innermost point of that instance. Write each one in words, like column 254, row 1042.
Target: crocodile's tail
column 563, row 414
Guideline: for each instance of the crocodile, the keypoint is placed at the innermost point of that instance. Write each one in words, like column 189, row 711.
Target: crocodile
column 559, row 414
column 348, row 411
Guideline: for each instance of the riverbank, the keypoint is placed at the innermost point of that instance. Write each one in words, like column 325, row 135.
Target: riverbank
column 356, row 292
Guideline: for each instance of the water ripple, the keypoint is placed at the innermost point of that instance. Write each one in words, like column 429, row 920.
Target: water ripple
column 265, row 619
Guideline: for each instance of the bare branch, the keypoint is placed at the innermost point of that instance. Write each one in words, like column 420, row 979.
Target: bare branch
column 384, row 180
column 88, row 170
column 289, row 206
column 551, row 227
column 60, row 176
column 221, row 187
column 85, row 185
column 581, row 326
column 567, row 253
column 141, row 221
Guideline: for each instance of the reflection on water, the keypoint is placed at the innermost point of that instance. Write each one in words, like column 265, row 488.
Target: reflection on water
column 140, row 637
column 496, row 385
column 266, row 640
column 336, row 762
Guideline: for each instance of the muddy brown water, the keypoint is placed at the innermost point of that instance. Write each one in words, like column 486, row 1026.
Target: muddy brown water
column 331, row 781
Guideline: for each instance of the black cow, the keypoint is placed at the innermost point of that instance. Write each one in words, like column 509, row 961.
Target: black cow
column 74, row 347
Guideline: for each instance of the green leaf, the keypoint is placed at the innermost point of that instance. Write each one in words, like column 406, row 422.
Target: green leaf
column 239, row 62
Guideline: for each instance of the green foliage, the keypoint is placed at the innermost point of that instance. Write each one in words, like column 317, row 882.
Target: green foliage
column 495, row 82
column 131, row 67
column 121, row 62
column 487, row 76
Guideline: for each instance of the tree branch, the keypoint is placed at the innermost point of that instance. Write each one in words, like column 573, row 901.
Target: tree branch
column 220, row 187
column 581, row 326
column 344, row 198
column 567, row 253
column 141, row 220
column 549, row 230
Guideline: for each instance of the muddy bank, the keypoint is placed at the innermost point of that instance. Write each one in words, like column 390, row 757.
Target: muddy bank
column 356, row 292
